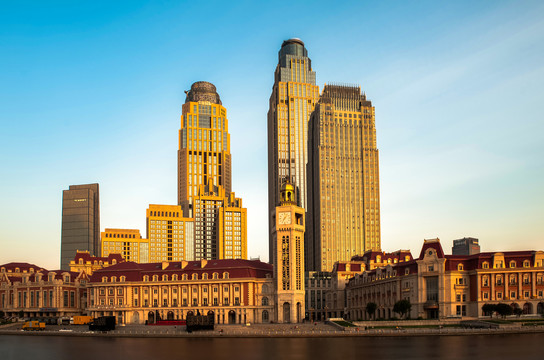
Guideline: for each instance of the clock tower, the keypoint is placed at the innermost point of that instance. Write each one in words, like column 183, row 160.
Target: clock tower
column 288, row 257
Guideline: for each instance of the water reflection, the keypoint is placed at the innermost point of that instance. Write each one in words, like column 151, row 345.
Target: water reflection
column 528, row 346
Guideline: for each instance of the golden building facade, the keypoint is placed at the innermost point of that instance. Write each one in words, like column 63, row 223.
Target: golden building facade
column 204, row 144
column 127, row 242
column 343, row 179
column 170, row 235
column 28, row 291
column 441, row 286
column 294, row 95
column 288, row 259
column 235, row 291
column 220, row 224
column 84, row 262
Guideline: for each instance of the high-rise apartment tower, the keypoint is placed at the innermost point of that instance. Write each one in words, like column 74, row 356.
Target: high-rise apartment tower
column 343, row 179
column 293, row 99
column 80, row 222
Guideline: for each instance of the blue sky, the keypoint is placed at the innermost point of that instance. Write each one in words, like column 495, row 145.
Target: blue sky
column 92, row 92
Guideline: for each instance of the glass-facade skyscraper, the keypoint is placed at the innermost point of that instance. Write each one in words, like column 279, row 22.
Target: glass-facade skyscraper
column 80, row 223
column 293, row 99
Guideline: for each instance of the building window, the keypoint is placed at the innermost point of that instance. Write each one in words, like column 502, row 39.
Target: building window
column 485, row 265
column 526, row 264
column 460, row 267
column 512, row 295
column 512, row 264
column 226, row 301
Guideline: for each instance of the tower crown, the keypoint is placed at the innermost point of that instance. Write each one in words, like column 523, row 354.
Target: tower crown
column 287, row 193
column 203, row 91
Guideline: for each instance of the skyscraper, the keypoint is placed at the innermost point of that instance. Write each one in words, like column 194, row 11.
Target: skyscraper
column 204, row 144
column 343, row 179
column 293, row 98
column 204, row 177
column 80, row 222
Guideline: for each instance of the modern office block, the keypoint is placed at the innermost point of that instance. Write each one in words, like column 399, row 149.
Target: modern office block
column 220, row 224
column 126, row 242
column 80, row 222
column 170, row 235
column 343, row 179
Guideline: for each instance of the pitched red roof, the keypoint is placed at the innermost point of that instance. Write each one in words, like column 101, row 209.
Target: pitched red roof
column 236, row 268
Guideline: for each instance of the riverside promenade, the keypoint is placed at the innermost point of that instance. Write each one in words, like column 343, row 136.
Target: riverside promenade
column 261, row 330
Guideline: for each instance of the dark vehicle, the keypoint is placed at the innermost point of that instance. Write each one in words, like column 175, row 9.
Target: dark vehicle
column 199, row 322
column 103, row 323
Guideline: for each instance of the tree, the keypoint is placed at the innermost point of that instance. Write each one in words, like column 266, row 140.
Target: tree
column 518, row 311
column 504, row 310
column 489, row 309
column 21, row 314
column 1, row 314
column 371, row 308
column 402, row 307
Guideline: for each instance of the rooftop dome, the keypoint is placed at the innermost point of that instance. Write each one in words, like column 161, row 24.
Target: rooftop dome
column 203, row 91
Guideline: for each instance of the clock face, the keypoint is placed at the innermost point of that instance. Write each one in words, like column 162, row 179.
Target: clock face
column 284, row 218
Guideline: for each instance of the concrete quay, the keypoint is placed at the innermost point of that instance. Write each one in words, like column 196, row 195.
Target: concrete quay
column 260, row 330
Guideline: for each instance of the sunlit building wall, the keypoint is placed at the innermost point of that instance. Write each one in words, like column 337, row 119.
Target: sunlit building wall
column 343, row 179
column 204, row 144
column 127, row 242
column 220, row 224
column 294, row 95
column 170, row 235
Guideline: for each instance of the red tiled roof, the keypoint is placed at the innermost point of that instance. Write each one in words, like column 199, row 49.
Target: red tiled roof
column 87, row 257
column 434, row 244
column 236, row 268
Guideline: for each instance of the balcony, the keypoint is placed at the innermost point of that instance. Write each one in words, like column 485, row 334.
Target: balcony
column 460, row 287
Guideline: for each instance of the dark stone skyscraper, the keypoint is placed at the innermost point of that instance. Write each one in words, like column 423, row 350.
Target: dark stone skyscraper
column 80, row 222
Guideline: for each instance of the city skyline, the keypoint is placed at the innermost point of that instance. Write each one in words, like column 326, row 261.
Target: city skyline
column 456, row 95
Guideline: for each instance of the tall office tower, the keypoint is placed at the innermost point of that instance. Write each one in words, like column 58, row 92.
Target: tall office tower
column 204, row 144
column 80, row 222
column 293, row 98
column 343, row 179
column 288, row 258
column 126, row 242
column 170, row 235
column 220, row 224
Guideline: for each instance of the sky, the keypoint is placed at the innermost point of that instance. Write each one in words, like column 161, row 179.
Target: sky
column 92, row 92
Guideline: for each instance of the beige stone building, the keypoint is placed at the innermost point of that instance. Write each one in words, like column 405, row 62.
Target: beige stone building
column 235, row 291
column 450, row 286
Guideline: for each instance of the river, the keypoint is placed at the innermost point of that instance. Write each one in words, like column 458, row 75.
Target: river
column 522, row 346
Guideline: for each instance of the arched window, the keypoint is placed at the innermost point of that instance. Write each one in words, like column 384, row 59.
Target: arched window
column 80, row 261
column 104, row 279
column 512, row 264
column 195, row 277
column 155, row 277
column 225, row 275
column 215, row 275
column 174, row 277
column 113, row 279
column 205, row 276
column 184, row 277
column 460, row 267
column 123, row 278
column 265, row 289
column 512, row 279
column 378, row 259
column 165, row 278
column 485, row 265
column 526, row 263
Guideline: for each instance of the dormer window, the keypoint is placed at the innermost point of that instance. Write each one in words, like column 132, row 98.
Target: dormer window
column 184, row 277
column 174, row 277
column 215, row 275
column 512, row 264
column 526, row 264
column 146, row 278
column 123, row 278
column 104, row 279
column 80, row 261
column 195, row 277
column 460, row 267
column 155, row 277
column 225, row 275
column 113, row 279
column 485, row 265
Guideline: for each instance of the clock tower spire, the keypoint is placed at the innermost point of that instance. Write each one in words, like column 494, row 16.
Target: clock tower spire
column 288, row 256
